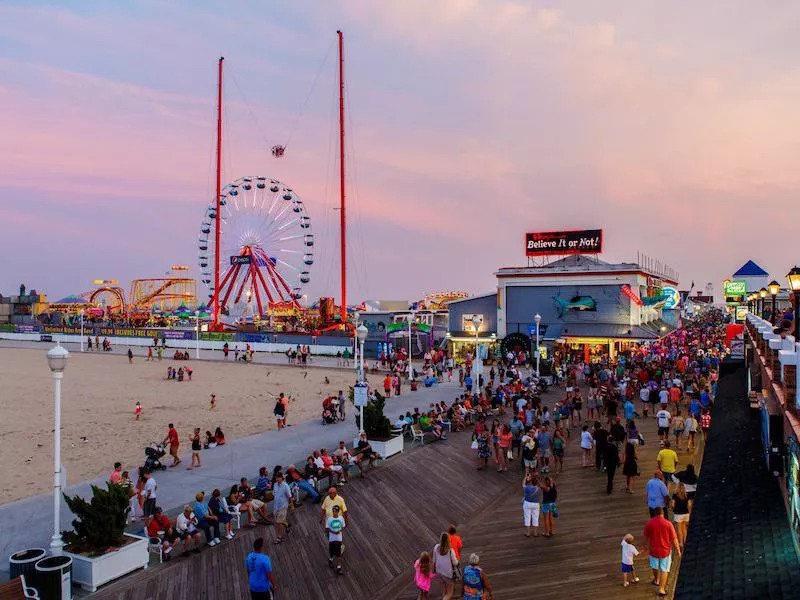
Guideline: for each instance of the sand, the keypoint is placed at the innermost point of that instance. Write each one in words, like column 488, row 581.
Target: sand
column 98, row 398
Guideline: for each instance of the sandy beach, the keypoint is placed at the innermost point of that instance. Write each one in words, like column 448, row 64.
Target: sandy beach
column 98, row 398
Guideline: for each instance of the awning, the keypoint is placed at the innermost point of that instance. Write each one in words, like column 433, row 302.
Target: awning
column 612, row 331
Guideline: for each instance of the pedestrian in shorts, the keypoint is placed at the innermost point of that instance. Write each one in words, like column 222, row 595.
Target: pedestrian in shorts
column 335, row 525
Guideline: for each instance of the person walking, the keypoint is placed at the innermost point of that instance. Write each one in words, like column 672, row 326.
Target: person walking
column 657, row 494
column 197, row 445
column 600, row 440
column 611, row 461
column 531, row 504
column 667, row 461
column 444, row 565
column 659, row 539
column 476, row 584
column 680, row 513
column 630, row 468
column 173, row 440
column 261, row 581
column 335, row 525
column 281, row 503
column 423, row 575
column 587, row 441
column 629, row 551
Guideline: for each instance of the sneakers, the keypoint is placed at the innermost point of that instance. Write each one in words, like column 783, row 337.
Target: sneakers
column 230, row 536
column 216, row 540
column 213, row 542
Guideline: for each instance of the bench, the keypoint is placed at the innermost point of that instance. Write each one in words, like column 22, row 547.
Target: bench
column 16, row 589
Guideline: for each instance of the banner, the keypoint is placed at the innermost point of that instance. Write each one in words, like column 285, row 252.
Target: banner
column 549, row 243
column 170, row 334
column 626, row 289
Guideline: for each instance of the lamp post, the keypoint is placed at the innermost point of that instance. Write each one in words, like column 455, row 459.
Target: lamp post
column 411, row 316
column 80, row 312
column 538, row 319
column 197, row 344
column 57, row 361
column 356, row 323
column 361, row 333
column 476, row 323
column 774, row 288
column 794, row 284
column 762, row 294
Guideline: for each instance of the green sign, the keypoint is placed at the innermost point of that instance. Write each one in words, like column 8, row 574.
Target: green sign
column 737, row 287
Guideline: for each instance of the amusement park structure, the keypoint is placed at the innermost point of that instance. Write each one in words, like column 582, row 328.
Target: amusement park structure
column 256, row 244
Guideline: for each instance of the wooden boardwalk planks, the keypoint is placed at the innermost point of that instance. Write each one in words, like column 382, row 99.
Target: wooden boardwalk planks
column 400, row 509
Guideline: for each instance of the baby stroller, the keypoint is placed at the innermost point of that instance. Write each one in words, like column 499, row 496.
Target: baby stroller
column 330, row 410
column 153, row 453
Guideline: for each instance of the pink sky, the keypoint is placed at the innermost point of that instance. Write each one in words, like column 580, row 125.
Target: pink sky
column 471, row 122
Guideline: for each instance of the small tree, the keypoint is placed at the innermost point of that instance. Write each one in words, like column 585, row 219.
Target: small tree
column 376, row 425
column 99, row 524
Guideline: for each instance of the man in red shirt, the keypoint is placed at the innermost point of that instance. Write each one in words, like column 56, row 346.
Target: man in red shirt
column 659, row 538
column 174, row 443
column 160, row 527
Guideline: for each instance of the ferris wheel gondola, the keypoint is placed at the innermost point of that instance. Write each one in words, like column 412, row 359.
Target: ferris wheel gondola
column 265, row 249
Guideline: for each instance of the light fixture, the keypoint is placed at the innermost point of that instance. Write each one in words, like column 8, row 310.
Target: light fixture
column 57, row 358
column 762, row 293
column 476, row 322
column 774, row 287
column 362, row 332
column 793, row 277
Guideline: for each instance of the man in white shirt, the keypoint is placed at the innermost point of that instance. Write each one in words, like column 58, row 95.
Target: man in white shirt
column 644, row 397
column 150, row 489
column 663, row 397
column 664, row 419
column 335, row 525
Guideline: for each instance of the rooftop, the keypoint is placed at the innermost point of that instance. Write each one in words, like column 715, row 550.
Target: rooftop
column 584, row 264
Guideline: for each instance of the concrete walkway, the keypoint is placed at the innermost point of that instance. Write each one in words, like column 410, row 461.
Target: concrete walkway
column 28, row 523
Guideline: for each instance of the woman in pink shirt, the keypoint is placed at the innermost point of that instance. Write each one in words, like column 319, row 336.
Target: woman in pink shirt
column 423, row 574
column 504, row 445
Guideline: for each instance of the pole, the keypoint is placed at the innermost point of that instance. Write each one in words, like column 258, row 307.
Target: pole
column 342, row 222
column 537, row 351
column 56, row 544
column 796, row 320
column 82, row 340
column 215, row 319
column 410, row 368
column 361, row 380
column 198, row 335
column 772, row 317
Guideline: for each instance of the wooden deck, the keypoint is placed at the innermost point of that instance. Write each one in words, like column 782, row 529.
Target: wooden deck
column 400, row 509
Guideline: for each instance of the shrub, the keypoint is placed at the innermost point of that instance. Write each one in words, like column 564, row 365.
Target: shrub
column 99, row 524
column 376, row 425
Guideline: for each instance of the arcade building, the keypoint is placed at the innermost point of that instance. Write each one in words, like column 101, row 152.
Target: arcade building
column 588, row 307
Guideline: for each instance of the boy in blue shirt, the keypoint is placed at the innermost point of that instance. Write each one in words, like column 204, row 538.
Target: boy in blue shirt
column 259, row 570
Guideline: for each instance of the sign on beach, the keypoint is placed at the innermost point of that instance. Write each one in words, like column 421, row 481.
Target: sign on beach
column 550, row 243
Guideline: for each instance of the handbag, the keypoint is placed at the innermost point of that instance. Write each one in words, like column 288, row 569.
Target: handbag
column 555, row 511
column 510, row 454
column 474, row 444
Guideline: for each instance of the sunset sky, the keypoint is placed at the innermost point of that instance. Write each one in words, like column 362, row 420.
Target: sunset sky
column 673, row 127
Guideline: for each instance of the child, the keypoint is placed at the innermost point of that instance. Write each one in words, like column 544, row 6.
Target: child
column 423, row 574
column 587, row 442
column 628, row 552
column 213, row 404
column 138, row 410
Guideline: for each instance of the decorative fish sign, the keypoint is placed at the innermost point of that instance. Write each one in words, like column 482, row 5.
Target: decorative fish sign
column 575, row 303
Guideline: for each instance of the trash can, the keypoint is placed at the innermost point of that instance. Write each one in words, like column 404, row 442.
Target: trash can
column 24, row 563
column 54, row 578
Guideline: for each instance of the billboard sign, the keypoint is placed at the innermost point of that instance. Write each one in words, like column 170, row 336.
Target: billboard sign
column 553, row 243
column 673, row 297
column 241, row 260
column 735, row 287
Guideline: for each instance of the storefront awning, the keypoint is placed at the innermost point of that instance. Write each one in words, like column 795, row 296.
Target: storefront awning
column 611, row 331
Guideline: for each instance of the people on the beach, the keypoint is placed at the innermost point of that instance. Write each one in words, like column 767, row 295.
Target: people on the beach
column 173, row 441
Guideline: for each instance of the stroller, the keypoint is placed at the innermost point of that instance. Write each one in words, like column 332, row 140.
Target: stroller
column 330, row 410
column 154, row 453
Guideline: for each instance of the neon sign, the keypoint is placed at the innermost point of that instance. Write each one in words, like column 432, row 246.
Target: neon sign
column 673, row 297
column 626, row 289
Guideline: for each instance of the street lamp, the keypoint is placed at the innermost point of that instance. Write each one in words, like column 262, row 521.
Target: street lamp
column 794, row 284
column 57, row 360
column 361, row 333
column 476, row 323
column 356, row 322
column 762, row 294
column 80, row 312
column 411, row 316
column 197, row 345
column 538, row 319
column 774, row 287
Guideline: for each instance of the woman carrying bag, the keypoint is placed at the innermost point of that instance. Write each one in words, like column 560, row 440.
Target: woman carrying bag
column 445, row 565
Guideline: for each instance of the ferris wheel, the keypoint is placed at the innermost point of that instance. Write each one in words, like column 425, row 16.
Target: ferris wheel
column 266, row 247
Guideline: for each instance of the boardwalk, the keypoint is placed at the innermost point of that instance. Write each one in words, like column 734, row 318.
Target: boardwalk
column 399, row 510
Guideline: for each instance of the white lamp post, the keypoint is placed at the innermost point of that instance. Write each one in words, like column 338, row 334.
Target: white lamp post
column 356, row 322
column 57, row 360
column 197, row 345
column 361, row 334
column 411, row 316
column 80, row 312
column 538, row 319
column 476, row 323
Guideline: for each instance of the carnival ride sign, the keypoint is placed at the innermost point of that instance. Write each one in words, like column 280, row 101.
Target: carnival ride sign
column 549, row 243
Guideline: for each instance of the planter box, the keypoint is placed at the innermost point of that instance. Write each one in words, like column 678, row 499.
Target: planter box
column 94, row 572
column 386, row 448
